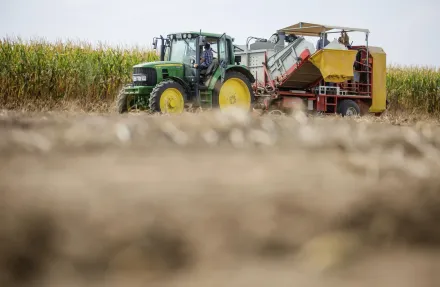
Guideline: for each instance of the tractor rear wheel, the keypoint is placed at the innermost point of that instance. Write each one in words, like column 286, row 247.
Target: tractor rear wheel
column 121, row 102
column 167, row 97
column 348, row 108
column 236, row 91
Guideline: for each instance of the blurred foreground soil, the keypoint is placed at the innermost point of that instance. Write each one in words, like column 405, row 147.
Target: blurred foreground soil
column 217, row 199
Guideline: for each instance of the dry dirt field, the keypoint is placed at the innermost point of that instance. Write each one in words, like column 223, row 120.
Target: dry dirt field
column 218, row 200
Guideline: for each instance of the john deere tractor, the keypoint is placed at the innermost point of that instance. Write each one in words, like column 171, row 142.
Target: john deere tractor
column 168, row 85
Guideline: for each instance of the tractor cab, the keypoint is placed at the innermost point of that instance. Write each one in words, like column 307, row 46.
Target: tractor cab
column 187, row 48
column 205, row 74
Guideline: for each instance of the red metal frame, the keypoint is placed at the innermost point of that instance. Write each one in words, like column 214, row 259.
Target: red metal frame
column 266, row 73
column 264, row 66
column 362, row 91
column 359, row 88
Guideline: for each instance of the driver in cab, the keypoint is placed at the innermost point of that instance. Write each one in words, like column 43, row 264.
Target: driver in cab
column 206, row 58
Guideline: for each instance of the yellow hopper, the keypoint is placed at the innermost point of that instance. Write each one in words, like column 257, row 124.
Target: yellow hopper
column 336, row 66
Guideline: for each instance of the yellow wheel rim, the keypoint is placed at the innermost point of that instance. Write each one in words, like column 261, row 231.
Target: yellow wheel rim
column 171, row 101
column 234, row 93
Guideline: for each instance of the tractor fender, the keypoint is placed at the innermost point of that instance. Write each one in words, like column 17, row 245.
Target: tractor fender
column 181, row 82
column 241, row 69
column 244, row 71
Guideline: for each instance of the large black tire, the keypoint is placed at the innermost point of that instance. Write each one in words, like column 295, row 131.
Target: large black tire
column 348, row 108
column 159, row 89
column 229, row 75
column 121, row 102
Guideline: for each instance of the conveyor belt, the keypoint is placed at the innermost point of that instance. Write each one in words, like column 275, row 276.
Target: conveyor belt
column 329, row 64
column 305, row 75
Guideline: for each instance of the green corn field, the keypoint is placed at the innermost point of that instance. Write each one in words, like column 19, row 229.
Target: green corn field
column 414, row 88
column 40, row 71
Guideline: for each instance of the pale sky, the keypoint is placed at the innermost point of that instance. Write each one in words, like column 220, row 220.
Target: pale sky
column 407, row 30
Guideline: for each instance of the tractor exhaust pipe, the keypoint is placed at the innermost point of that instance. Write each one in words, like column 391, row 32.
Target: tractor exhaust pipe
column 162, row 49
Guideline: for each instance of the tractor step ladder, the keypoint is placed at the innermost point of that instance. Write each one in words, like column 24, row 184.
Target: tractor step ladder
column 326, row 90
column 205, row 98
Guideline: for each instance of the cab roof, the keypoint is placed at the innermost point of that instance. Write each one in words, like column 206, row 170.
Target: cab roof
column 310, row 29
column 206, row 34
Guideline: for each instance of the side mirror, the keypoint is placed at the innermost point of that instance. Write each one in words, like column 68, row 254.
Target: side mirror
column 238, row 60
column 193, row 61
column 154, row 43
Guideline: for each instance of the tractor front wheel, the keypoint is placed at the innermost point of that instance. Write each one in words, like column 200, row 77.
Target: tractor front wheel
column 236, row 91
column 348, row 108
column 121, row 102
column 167, row 97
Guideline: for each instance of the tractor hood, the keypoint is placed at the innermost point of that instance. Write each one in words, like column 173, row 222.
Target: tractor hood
column 159, row 64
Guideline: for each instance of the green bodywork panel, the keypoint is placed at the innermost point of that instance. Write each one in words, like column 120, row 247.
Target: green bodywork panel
column 164, row 70
column 158, row 64
column 138, row 90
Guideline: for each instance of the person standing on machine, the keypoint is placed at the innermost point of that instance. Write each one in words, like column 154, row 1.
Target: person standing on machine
column 320, row 45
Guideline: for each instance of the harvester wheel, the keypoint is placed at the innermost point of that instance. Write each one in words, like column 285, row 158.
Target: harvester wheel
column 236, row 91
column 167, row 97
column 121, row 102
column 348, row 108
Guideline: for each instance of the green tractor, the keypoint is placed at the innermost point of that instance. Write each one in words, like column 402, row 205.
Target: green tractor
column 167, row 86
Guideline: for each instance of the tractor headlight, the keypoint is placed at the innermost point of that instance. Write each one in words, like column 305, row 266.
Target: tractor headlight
column 139, row 78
